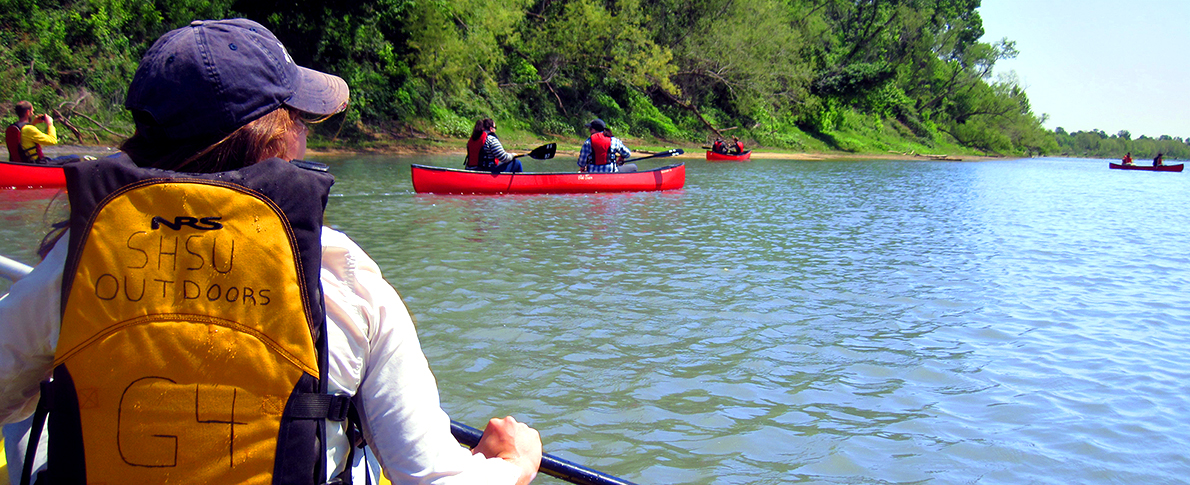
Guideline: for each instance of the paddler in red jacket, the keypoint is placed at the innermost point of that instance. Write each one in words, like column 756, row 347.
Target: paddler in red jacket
column 484, row 151
column 736, row 147
column 602, row 152
column 719, row 146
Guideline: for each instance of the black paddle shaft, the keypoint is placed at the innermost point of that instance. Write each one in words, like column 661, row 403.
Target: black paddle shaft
column 551, row 465
column 668, row 153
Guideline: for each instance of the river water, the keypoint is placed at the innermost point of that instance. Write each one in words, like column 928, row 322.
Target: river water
column 1011, row 321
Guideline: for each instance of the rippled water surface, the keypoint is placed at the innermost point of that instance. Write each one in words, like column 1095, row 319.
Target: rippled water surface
column 818, row 322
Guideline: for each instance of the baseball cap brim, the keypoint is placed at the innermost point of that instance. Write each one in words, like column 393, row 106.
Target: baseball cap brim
column 319, row 93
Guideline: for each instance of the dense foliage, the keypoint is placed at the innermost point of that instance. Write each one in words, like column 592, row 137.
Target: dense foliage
column 856, row 75
column 1097, row 144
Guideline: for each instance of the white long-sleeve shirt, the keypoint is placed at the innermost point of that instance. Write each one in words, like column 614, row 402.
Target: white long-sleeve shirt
column 374, row 356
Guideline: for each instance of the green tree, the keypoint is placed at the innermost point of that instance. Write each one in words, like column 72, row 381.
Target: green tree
column 779, row 70
column 79, row 56
column 592, row 54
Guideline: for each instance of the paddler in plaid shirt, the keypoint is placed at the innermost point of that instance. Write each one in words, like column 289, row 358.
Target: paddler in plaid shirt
column 602, row 152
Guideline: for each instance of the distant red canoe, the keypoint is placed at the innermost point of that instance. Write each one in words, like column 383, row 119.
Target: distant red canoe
column 723, row 157
column 30, row 175
column 442, row 180
column 1162, row 168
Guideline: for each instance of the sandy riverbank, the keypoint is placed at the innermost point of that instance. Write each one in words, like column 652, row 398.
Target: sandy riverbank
column 691, row 153
column 95, row 151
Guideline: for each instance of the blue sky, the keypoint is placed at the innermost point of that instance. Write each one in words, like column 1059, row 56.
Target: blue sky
column 1106, row 64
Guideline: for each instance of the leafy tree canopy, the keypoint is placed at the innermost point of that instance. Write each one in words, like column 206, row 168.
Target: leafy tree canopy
column 784, row 73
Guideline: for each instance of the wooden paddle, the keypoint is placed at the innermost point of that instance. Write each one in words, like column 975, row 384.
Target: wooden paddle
column 551, row 465
column 544, row 152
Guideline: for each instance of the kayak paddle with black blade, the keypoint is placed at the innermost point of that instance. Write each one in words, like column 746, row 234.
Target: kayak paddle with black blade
column 631, row 167
column 544, row 152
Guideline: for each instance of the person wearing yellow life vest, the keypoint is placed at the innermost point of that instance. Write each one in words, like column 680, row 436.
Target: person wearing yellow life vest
column 25, row 140
column 484, row 151
column 602, row 152
column 203, row 326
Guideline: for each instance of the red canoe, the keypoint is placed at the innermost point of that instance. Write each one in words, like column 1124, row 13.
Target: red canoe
column 441, row 180
column 1162, row 168
column 30, row 175
column 723, row 157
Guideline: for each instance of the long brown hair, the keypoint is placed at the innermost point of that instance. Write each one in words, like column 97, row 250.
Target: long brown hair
column 482, row 126
column 261, row 139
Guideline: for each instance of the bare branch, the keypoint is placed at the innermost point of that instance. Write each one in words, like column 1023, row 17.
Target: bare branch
column 559, row 98
column 66, row 122
column 693, row 109
column 101, row 126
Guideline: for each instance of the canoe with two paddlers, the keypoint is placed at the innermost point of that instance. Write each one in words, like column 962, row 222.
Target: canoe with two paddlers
column 1150, row 168
column 442, row 180
column 725, row 157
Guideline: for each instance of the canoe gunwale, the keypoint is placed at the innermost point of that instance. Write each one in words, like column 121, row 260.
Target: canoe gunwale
column 20, row 175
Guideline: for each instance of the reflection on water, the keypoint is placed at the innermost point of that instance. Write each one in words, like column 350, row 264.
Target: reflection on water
column 823, row 322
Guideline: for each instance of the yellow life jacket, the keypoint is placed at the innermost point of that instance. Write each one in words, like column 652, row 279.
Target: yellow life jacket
column 193, row 342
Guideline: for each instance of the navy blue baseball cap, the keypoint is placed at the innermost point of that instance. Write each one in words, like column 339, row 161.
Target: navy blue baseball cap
column 597, row 124
column 203, row 81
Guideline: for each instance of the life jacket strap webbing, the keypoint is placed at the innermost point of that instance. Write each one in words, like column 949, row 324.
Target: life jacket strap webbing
column 320, row 406
column 43, row 406
column 355, row 439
